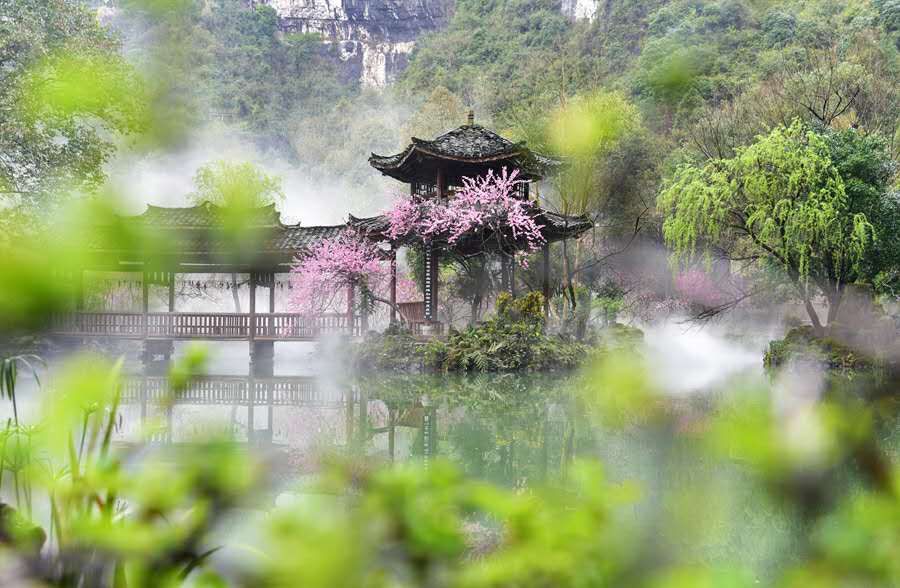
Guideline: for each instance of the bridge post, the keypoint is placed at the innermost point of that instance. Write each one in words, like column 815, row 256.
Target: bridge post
column 156, row 355
column 262, row 359
column 145, row 301
column 171, row 291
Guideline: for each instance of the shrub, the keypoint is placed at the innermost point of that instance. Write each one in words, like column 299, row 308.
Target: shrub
column 512, row 340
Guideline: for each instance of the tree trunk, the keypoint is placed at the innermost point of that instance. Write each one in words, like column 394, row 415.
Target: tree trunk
column 834, row 303
column 570, row 284
column 474, row 308
column 813, row 316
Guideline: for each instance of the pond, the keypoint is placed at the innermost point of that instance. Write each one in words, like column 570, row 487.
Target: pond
column 517, row 431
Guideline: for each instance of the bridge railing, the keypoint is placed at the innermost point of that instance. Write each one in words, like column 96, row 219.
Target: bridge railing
column 204, row 325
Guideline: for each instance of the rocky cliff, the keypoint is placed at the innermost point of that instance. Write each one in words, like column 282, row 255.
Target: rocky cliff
column 579, row 9
column 375, row 37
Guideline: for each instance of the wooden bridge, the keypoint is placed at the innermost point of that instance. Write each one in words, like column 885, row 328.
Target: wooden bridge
column 205, row 325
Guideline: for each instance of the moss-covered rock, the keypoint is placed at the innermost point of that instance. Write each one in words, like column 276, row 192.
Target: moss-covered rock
column 801, row 344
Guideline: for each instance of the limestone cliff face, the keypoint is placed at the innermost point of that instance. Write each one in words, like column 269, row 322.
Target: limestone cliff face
column 579, row 9
column 375, row 37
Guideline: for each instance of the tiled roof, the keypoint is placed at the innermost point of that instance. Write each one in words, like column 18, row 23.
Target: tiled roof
column 558, row 226
column 470, row 142
column 465, row 144
column 296, row 238
column 203, row 215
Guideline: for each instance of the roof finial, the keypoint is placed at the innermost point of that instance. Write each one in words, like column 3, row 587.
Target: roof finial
column 471, row 117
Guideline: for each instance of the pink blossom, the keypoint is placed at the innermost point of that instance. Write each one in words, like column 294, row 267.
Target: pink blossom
column 320, row 279
column 485, row 207
column 698, row 288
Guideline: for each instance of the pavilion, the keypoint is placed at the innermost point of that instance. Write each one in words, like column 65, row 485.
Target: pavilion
column 195, row 240
column 435, row 170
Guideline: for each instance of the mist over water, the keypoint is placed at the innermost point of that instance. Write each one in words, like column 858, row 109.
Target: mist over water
column 686, row 358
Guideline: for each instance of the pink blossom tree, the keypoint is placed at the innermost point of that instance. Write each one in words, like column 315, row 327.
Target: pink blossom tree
column 483, row 209
column 320, row 279
column 697, row 288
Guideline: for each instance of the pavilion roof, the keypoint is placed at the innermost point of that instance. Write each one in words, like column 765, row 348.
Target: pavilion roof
column 466, row 145
column 204, row 215
column 192, row 236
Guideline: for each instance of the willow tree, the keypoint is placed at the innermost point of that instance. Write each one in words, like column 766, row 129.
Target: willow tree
column 239, row 187
column 781, row 201
column 583, row 132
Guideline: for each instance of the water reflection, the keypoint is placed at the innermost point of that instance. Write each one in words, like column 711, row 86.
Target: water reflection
column 511, row 430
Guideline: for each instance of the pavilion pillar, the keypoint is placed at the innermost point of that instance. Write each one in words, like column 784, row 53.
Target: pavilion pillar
column 430, row 287
column 393, row 286
column 512, row 276
column 545, row 280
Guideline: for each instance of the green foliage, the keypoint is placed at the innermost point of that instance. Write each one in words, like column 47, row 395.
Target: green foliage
column 868, row 172
column 55, row 129
column 513, row 340
column 781, row 199
column 236, row 184
column 801, row 345
column 254, row 76
column 492, row 47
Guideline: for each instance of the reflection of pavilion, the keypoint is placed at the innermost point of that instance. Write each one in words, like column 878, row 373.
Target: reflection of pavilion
column 162, row 243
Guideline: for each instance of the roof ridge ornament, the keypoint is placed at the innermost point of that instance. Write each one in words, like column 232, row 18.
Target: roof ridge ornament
column 471, row 117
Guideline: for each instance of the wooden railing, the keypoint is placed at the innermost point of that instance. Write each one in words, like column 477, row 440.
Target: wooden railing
column 229, row 390
column 196, row 325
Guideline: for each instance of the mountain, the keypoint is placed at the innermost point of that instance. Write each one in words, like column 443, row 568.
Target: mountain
column 374, row 37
